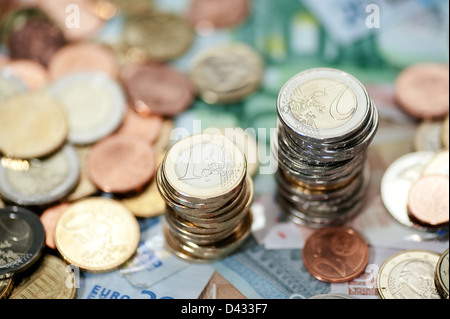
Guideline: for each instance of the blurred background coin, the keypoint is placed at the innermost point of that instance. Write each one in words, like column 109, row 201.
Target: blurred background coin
column 95, row 105
column 422, row 91
column 40, row 181
column 33, row 124
column 157, row 89
column 227, row 73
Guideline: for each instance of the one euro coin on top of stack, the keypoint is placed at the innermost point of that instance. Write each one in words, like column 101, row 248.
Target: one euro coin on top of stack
column 326, row 121
column 203, row 180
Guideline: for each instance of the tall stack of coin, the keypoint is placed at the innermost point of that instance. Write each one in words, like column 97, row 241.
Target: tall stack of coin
column 203, row 179
column 326, row 121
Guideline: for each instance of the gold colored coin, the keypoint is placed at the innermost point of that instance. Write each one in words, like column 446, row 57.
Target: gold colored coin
column 6, row 285
column 227, row 73
column 52, row 279
column 160, row 36
column 97, row 234
column 408, row 275
column 32, row 124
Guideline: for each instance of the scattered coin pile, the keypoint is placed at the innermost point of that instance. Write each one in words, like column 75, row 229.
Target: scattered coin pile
column 326, row 121
column 414, row 188
column 203, row 179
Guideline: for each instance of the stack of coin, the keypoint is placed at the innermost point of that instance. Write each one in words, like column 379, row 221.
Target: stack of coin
column 326, row 121
column 203, row 179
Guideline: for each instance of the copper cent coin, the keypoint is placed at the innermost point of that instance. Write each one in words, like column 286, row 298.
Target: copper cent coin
column 37, row 40
column 121, row 163
column 428, row 200
column 49, row 218
column 422, row 91
column 336, row 254
column 82, row 57
column 157, row 89
column 209, row 15
column 146, row 127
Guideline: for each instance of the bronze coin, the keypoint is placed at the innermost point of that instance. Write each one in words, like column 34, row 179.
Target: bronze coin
column 157, row 89
column 146, row 127
column 422, row 91
column 49, row 218
column 428, row 200
column 121, row 163
column 36, row 40
column 83, row 56
column 336, row 254
column 208, row 15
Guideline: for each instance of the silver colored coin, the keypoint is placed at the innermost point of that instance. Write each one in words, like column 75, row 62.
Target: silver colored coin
column 95, row 105
column 40, row 181
column 323, row 104
column 396, row 183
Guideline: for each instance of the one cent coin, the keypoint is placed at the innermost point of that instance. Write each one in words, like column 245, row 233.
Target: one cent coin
column 157, row 89
column 97, row 234
column 336, row 254
column 422, row 91
column 428, row 200
column 121, row 163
